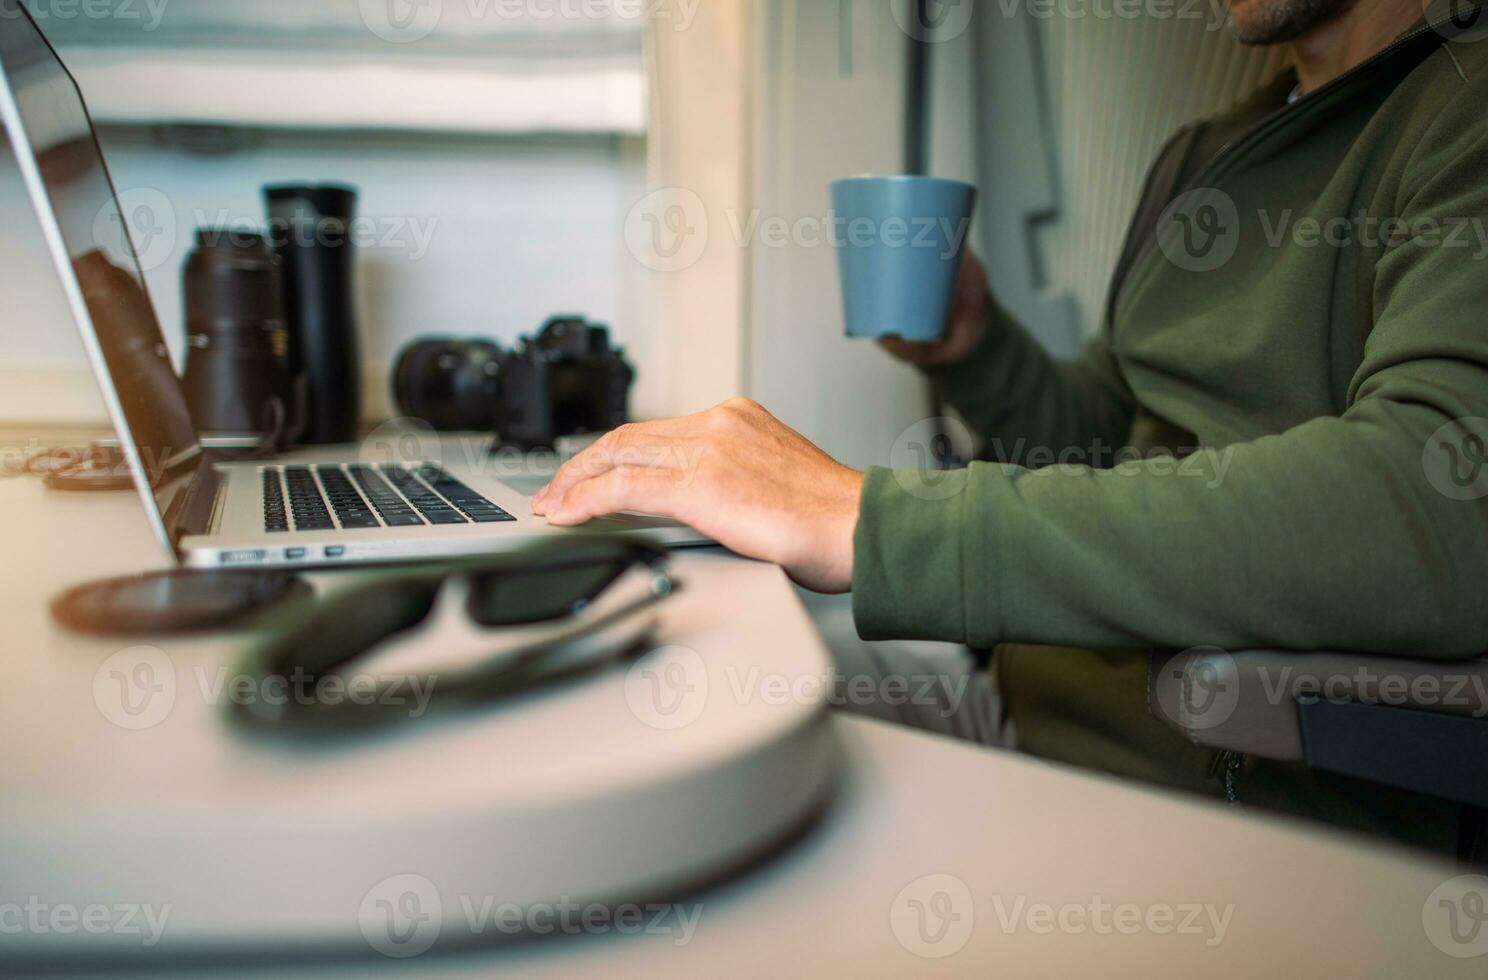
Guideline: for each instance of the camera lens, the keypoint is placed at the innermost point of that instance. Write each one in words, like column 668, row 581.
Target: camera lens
column 454, row 385
column 237, row 366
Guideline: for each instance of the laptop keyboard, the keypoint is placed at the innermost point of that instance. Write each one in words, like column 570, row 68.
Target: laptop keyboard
column 357, row 497
column 393, row 509
column 276, row 519
column 305, row 502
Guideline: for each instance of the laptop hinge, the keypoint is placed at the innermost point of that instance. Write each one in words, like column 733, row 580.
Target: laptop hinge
column 190, row 511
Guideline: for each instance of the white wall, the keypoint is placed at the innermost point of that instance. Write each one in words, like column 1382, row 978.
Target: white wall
column 688, row 278
column 830, row 103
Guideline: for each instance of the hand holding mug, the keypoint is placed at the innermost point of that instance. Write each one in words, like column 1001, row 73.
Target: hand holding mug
column 965, row 327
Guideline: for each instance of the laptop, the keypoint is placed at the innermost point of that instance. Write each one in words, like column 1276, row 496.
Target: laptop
column 208, row 513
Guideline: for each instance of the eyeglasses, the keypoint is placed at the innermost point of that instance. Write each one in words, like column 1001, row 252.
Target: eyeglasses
column 470, row 633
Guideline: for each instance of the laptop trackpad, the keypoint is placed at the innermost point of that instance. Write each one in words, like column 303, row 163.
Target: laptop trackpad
column 529, row 485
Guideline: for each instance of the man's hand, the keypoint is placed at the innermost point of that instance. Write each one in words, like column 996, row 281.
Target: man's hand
column 735, row 473
column 968, row 323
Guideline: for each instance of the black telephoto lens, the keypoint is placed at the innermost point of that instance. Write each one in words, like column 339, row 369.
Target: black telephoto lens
column 237, row 365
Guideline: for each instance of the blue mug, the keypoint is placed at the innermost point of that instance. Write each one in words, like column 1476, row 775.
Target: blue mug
column 899, row 244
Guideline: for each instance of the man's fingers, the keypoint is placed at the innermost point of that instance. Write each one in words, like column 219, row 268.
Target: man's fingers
column 646, row 489
column 913, row 351
column 643, row 444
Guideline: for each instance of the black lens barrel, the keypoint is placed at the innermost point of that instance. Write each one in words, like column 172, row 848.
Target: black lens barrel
column 237, row 346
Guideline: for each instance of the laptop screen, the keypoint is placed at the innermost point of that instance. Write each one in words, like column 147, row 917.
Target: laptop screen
column 120, row 327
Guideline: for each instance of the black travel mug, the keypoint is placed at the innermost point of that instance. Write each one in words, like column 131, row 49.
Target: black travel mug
column 310, row 227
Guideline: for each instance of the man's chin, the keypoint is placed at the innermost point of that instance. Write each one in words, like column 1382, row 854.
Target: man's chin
column 1267, row 22
column 1260, row 34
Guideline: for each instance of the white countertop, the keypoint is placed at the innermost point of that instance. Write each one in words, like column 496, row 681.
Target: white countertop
column 935, row 858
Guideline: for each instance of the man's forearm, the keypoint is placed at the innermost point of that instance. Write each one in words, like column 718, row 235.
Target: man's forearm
column 1309, row 540
column 1032, row 409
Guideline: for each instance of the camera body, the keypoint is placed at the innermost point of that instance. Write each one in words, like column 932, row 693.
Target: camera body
column 568, row 380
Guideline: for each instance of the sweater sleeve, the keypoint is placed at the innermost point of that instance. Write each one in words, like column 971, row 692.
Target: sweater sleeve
column 1367, row 531
column 1028, row 405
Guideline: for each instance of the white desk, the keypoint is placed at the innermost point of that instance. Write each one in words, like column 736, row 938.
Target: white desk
column 1042, row 870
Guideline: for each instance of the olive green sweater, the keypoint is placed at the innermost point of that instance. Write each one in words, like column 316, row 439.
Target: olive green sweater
column 1308, row 333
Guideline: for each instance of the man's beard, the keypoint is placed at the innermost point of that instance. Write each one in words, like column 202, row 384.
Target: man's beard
column 1280, row 21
